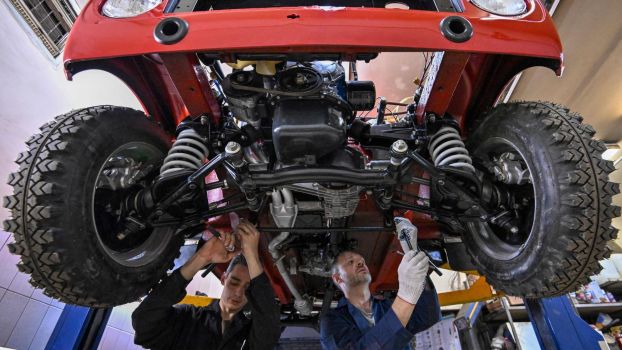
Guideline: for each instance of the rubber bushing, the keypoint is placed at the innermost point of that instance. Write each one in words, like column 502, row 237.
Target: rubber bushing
column 170, row 30
column 457, row 29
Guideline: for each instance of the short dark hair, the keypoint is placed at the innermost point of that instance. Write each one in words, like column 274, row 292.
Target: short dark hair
column 237, row 260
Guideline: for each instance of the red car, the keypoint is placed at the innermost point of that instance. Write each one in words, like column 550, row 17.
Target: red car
column 105, row 196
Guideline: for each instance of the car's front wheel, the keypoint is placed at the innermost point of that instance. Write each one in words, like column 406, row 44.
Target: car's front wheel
column 76, row 233
column 554, row 223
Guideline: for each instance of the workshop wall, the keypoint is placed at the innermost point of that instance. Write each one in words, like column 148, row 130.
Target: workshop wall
column 591, row 34
column 394, row 74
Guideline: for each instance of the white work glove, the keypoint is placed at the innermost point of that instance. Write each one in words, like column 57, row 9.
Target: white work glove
column 406, row 232
column 411, row 275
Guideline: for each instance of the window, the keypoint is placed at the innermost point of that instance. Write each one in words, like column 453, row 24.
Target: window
column 50, row 20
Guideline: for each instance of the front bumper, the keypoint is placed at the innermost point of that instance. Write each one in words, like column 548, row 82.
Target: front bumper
column 343, row 31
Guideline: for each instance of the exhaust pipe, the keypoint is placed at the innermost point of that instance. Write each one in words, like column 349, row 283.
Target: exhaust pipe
column 284, row 213
column 253, row 154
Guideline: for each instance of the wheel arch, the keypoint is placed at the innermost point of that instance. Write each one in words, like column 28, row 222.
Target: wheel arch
column 148, row 81
column 484, row 79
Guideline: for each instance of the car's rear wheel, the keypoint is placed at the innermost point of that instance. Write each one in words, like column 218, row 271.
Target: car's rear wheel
column 556, row 221
column 76, row 233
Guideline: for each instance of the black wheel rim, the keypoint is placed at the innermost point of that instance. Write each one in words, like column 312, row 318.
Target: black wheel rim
column 518, row 210
column 127, row 171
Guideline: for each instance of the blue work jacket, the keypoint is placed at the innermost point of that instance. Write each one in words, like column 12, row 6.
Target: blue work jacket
column 345, row 327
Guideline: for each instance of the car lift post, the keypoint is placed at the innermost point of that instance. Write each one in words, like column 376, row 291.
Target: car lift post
column 79, row 328
column 555, row 321
column 558, row 326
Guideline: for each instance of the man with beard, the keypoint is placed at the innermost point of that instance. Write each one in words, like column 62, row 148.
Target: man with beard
column 362, row 322
column 160, row 324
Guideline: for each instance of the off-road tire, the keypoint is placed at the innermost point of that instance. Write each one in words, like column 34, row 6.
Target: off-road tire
column 567, row 241
column 52, row 223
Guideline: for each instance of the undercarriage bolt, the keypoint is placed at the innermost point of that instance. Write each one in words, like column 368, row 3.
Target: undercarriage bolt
column 399, row 149
column 233, row 148
column 431, row 118
column 234, row 153
column 514, row 229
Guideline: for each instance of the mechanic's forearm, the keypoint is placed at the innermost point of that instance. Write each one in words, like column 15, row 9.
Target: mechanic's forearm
column 265, row 326
column 403, row 310
column 428, row 310
column 155, row 318
column 192, row 266
column 254, row 265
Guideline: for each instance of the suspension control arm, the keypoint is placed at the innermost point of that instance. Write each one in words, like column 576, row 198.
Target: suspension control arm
column 190, row 184
column 444, row 186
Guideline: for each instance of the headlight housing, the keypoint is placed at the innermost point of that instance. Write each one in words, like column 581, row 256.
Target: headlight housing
column 128, row 8
column 502, row 7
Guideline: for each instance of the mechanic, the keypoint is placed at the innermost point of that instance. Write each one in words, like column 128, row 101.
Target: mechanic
column 160, row 324
column 362, row 322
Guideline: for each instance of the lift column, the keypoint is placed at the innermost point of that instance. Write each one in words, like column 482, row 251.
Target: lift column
column 559, row 327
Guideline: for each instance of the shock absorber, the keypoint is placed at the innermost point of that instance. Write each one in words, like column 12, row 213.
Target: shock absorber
column 447, row 149
column 188, row 152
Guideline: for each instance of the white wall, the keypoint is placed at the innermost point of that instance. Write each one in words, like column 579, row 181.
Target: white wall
column 591, row 35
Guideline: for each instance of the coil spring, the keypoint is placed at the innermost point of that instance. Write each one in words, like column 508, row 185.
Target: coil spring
column 188, row 152
column 447, row 149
